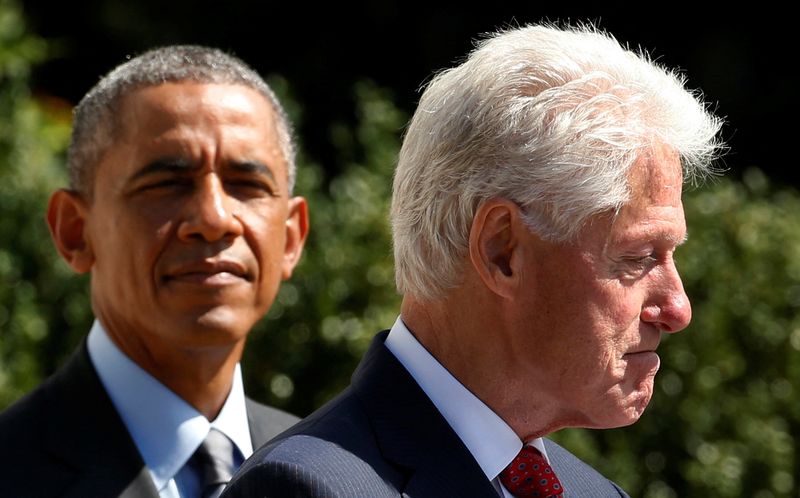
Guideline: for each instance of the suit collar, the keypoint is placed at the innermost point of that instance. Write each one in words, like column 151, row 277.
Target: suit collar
column 88, row 439
column 167, row 441
column 486, row 435
column 412, row 433
column 265, row 422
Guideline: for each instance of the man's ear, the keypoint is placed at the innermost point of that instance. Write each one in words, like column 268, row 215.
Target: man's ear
column 494, row 245
column 296, row 233
column 67, row 216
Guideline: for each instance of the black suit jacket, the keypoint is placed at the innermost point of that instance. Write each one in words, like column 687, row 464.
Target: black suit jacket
column 65, row 439
column 383, row 437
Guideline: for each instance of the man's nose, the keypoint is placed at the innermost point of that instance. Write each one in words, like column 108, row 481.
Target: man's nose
column 668, row 307
column 210, row 212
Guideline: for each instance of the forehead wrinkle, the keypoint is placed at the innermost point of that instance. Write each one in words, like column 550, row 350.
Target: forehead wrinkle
column 227, row 133
column 656, row 231
column 656, row 174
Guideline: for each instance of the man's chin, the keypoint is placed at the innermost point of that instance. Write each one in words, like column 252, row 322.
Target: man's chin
column 622, row 418
column 629, row 406
column 637, row 402
column 218, row 326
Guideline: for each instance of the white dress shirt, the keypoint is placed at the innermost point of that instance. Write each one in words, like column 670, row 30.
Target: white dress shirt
column 488, row 438
column 164, row 427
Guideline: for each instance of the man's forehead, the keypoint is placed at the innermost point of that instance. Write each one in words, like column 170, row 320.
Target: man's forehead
column 182, row 114
column 178, row 98
column 170, row 120
column 656, row 176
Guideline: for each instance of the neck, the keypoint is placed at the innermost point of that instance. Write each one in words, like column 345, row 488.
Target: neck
column 467, row 335
column 201, row 376
column 203, row 379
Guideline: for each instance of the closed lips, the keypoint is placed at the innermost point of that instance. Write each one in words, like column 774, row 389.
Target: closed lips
column 208, row 268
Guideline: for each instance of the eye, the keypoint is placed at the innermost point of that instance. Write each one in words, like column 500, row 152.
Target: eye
column 634, row 267
column 249, row 183
column 250, row 186
column 163, row 173
column 166, row 184
column 641, row 261
column 251, row 178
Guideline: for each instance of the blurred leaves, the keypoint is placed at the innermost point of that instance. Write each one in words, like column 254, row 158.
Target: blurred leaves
column 38, row 295
column 726, row 412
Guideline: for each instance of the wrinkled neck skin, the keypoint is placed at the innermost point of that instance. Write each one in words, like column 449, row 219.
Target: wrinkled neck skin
column 465, row 333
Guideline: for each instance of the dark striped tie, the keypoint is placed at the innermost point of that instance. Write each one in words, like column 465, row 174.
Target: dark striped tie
column 213, row 462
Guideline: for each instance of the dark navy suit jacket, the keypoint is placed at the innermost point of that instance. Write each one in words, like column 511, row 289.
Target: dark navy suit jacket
column 65, row 439
column 383, row 437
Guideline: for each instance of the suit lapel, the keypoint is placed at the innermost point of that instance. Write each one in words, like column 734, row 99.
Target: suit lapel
column 260, row 429
column 266, row 422
column 98, row 455
column 578, row 478
column 89, row 437
column 412, row 433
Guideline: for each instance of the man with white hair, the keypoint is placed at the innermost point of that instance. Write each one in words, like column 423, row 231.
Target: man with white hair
column 536, row 211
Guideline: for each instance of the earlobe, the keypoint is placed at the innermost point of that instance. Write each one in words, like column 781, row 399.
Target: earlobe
column 296, row 232
column 492, row 245
column 66, row 218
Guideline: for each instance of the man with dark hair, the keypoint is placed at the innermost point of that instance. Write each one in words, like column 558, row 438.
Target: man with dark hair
column 535, row 213
column 181, row 209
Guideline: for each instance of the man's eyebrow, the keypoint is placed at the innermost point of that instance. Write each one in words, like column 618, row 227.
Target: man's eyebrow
column 673, row 239
column 170, row 165
column 178, row 165
column 252, row 167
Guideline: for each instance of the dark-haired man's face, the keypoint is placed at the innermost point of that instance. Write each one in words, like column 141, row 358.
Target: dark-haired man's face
column 191, row 227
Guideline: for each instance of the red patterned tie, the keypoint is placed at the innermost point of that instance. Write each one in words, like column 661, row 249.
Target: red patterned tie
column 529, row 474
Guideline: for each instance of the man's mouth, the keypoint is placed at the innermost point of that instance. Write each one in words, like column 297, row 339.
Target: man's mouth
column 209, row 272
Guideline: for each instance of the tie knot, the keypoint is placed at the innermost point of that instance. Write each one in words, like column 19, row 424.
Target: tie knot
column 529, row 474
column 214, row 462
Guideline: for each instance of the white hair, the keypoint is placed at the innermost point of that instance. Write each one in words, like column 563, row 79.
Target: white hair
column 549, row 118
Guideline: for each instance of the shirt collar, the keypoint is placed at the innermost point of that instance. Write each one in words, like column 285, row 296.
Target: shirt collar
column 166, row 439
column 488, row 438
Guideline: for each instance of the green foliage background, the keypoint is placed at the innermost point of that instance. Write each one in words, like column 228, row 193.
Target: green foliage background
column 726, row 411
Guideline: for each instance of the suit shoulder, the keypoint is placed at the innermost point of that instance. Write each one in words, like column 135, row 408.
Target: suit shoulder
column 332, row 452
column 308, row 466
column 23, row 426
column 578, row 477
column 342, row 421
column 22, row 421
column 26, row 420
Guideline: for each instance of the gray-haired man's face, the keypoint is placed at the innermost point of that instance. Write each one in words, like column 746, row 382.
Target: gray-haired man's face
column 600, row 305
